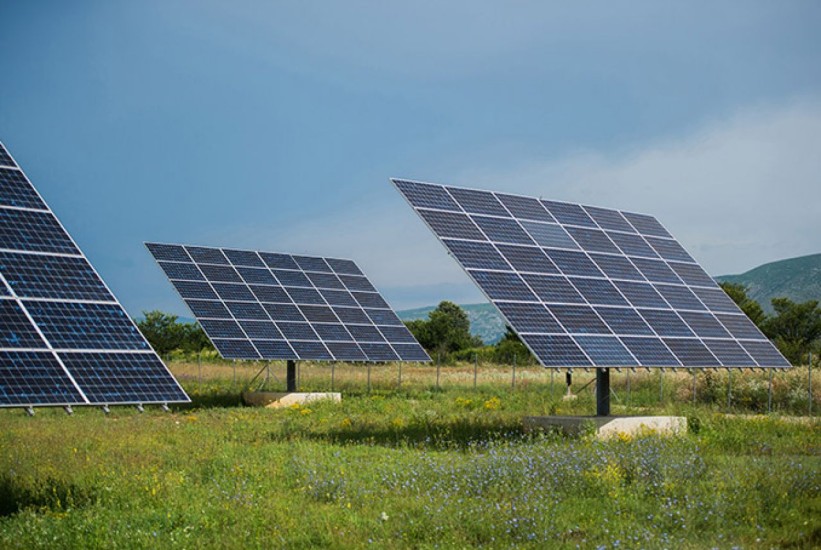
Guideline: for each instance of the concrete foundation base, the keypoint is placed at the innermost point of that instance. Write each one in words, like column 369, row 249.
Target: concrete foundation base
column 275, row 400
column 608, row 426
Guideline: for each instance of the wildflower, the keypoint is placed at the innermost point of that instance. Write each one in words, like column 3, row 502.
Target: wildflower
column 384, row 516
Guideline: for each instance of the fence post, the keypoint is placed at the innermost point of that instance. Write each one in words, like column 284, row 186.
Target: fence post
column 475, row 368
column 333, row 374
column 661, row 385
column 694, row 387
column 199, row 367
column 235, row 373
column 770, row 393
column 513, row 377
column 438, row 367
column 369, row 378
column 729, row 388
column 552, row 371
column 628, row 387
column 399, row 382
column 809, row 384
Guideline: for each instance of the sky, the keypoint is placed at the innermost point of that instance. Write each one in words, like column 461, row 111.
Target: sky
column 276, row 125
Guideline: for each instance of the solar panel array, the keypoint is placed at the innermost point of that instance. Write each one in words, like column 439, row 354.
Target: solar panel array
column 263, row 305
column 64, row 338
column 584, row 286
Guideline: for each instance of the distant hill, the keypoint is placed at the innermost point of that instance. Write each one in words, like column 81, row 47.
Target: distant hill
column 485, row 321
column 798, row 279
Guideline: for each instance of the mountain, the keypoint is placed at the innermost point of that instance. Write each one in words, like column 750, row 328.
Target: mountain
column 798, row 279
column 485, row 321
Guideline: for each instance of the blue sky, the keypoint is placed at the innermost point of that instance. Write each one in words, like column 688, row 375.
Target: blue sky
column 276, row 125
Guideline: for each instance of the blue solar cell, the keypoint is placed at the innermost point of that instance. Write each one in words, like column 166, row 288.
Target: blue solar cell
column 371, row 300
column 680, row 297
column 378, row 352
column 63, row 277
column 411, row 352
column 646, row 225
column 352, row 315
column 598, row 291
column 35, row 378
column 502, row 286
column 651, row 352
column 263, row 330
column 195, row 289
column 384, row 317
column 208, row 309
column 477, row 202
column 665, row 323
column 352, row 282
column 338, row 297
column 235, row 349
column 574, row 263
column 305, row 296
column 656, row 271
column 529, row 317
column 168, row 252
column 527, row 258
column 452, row 225
column 624, row 321
column 692, row 352
column 221, row 328
column 123, row 377
column 346, row 351
column 579, row 319
column 605, row 351
column 181, row 271
column 632, row 245
column 716, row 300
column 502, row 230
column 556, row 350
column 318, row 314
column 525, row 208
column 297, row 331
column 617, row 267
column 729, row 352
column 550, row 235
column 68, row 325
column 283, row 312
column 765, row 354
column 397, row 334
column 593, row 240
column 328, row 280
column 609, row 219
column 247, row 310
column 278, row 261
column 740, row 326
column 5, row 157
column 692, row 274
column 292, row 278
column 233, row 291
column 343, row 267
column 270, row 294
column 567, row 213
column 365, row 333
column 220, row 273
column 553, row 289
column 15, row 190
column 33, row 231
column 255, row 275
column 311, row 263
column 204, row 255
column 16, row 331
column 641, row 295
column 246, row 258
column 422, row 195
column 332, row 332
column 669, row 249
column 274, row 349
column 704, row 324
column 315, row 351
column 476, row 254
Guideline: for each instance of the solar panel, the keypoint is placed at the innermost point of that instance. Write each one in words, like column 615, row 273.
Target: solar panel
column 264, row 305
column 64, row 338
column 588, row 286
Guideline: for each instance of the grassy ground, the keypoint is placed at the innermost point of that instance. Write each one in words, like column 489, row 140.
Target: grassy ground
column 417, row 466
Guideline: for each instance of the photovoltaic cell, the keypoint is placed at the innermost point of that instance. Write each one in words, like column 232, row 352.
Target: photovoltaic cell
column 616, row 289
column 58, row 321
column 281, row 306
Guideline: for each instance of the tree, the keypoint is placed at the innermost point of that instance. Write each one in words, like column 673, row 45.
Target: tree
column 447, row 329
column 794, row 327
column 166, row 334
column 738, row 293
column 511, row 345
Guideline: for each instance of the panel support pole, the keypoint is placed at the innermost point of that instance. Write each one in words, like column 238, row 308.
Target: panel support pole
column 602, row 392
column 290, row 376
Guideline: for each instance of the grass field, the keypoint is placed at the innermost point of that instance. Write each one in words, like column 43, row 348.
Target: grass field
column 414, row 466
